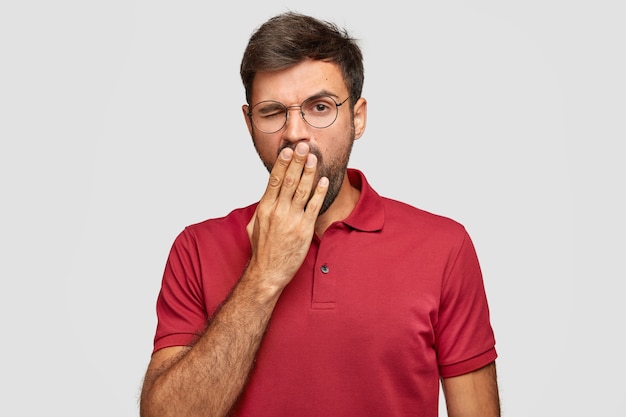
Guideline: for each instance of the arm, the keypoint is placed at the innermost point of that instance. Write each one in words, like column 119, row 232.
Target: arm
column 474, row 394
column 207, row 379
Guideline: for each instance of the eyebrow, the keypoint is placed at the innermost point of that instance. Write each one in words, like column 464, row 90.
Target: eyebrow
column 320, row 93
column 324, row 93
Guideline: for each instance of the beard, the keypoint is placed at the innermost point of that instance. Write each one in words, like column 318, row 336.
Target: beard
column 334, row 168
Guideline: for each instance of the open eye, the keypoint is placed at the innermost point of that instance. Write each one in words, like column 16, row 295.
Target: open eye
column 318, row 106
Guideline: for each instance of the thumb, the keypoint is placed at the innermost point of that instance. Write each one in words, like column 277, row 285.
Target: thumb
column 250, row 226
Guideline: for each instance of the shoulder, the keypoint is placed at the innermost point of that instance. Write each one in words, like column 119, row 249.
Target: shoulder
column 236, row 218
column 408, row 216
column 229, row 227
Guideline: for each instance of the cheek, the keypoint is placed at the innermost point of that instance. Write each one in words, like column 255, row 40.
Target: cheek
column 267, row 153
column 266, row 146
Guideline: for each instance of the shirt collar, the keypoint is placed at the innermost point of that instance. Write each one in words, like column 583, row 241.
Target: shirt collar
column 369, row 213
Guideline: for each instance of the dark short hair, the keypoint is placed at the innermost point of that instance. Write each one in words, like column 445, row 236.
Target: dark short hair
column 290, row 38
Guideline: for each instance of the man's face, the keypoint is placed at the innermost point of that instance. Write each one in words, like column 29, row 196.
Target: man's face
column 331, row 145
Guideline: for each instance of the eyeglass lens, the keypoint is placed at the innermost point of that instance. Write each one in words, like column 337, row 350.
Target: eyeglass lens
column 318, row 111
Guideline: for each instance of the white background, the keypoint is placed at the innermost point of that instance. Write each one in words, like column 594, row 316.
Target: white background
column 120, row 124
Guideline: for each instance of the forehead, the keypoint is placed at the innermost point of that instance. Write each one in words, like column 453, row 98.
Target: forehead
column 295, row 84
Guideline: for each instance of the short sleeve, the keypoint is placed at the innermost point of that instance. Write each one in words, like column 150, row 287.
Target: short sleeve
column 464, row 337
column 180, row 306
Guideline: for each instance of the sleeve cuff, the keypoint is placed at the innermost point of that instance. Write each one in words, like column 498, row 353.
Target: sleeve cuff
column 469, row 365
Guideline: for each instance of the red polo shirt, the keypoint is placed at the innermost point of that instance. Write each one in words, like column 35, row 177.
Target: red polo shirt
column 387, row 302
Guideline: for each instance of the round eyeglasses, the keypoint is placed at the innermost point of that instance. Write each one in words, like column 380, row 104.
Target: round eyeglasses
column 319, row 111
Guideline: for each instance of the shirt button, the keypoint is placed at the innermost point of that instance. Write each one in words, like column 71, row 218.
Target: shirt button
column 324, row 269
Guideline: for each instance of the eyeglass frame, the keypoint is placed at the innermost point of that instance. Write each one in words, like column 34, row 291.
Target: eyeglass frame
column 287, row 108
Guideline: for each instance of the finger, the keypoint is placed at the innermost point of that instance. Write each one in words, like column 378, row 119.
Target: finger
column 294, row 173
column 278, row 174
column 315, row 203
column 303, row 191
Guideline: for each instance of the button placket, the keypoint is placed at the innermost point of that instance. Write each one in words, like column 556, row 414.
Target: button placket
column 324, row 288
column 324, row 280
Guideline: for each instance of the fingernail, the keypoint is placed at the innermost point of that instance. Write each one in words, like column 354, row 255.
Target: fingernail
column 311, row 160
column 302, row 149
column 286, row 154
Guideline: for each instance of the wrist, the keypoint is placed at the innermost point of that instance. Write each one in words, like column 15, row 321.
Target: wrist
column 261, row 284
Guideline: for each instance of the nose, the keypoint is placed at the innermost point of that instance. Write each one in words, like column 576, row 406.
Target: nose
column 296, row 129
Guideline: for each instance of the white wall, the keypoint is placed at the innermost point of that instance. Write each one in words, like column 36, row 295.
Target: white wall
column 120, row 123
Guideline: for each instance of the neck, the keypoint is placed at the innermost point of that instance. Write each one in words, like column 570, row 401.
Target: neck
column 341, row 208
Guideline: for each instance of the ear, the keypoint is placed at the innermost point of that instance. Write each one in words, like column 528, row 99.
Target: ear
column 360, row 117
column 244, row 109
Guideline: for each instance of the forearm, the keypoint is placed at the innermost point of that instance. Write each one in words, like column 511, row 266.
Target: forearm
column 474, row 394
column 209, row 378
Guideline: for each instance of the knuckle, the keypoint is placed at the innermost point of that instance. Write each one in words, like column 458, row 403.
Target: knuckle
column 299, row 159
column 300, row 194
column 289, row 182
column 263, row 211
column 313, row 205
column 274, row 180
